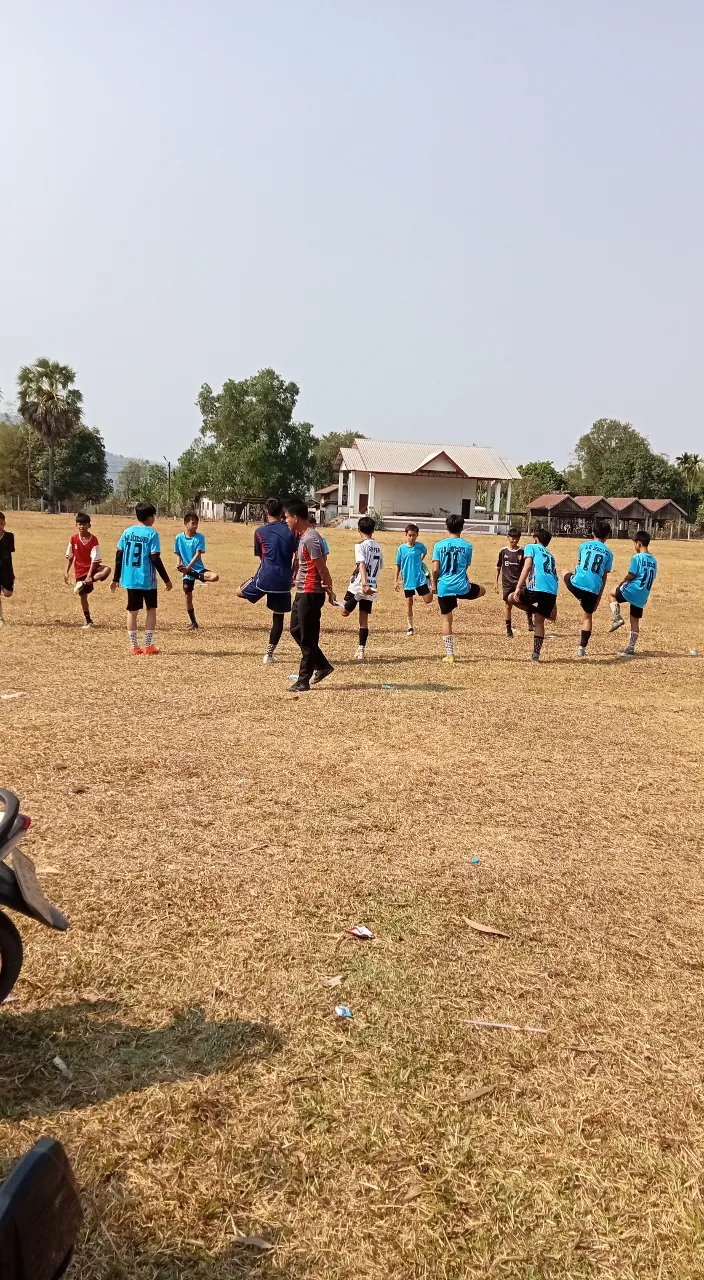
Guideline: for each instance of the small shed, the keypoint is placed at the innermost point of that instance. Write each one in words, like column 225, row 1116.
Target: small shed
column 328, row 502
column 628, row 511
column 560, row 510
column 596, row 508
column 664, row 511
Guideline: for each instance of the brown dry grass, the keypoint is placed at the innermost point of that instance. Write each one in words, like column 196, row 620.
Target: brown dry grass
column 214, row 1094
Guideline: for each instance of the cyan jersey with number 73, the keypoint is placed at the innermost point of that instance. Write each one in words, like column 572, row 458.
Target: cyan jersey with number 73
column 137, row 545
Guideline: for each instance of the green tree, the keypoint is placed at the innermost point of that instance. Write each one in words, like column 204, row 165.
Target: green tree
column 49, row 401
column 690, row 466
column 325, row 451
column 129, row 480
column 194, row 471
column 260, row 450
column 536, row 479
column 21, row 453
column 80, row 467
column 617, row 461
column 155, row 484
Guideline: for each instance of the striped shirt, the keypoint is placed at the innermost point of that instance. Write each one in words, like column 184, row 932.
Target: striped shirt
column 310, row 549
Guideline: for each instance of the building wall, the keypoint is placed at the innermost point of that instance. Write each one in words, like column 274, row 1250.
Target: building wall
column 413, row 495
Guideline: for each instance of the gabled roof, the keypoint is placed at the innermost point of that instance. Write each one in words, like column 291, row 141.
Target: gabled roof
column 588, row 500
column 659, row 507
column 407, row 458
column 329, row 488
column 555, row 503
column 622, row 504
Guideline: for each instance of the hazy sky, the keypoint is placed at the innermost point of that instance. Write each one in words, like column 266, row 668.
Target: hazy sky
column 462, row 220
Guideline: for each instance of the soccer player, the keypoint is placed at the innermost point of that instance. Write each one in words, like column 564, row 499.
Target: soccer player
column 7, row 573
column 83, row 552
column 137, row 562
column 634, row 590
column 594, row 564
column 451, row 560
column 410, row 571
column 362, row 591
column 508, row 568
column 189, row 547
column 314, row 524
column 537, row 587
column 275, row 545
column 313, row 584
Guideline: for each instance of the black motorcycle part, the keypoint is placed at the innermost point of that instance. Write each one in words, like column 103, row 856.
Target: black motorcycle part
column 40, row 1215
column 11, row 954
column 12, row 808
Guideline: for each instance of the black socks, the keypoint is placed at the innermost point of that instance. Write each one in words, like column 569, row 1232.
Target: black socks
column 277, row 626
column 537, row 643
column 363, row 635
column 584, row 638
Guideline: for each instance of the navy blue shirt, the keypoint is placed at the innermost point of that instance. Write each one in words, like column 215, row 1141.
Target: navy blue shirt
column 275, row 545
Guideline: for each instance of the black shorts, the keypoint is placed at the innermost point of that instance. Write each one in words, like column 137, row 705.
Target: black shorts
column 422, row 591
column 508, row 591
column 190, row 581
column 351, row 602
column 588, row 599
column 636, row 609
column 541, row 602
column 138, row 599
column 448, row 603
column 7, row 578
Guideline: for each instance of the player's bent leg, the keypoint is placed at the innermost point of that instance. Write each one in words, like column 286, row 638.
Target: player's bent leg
column 102, row 575
column 211, row 577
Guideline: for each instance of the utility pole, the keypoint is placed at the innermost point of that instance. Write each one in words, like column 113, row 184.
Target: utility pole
column 168, row 485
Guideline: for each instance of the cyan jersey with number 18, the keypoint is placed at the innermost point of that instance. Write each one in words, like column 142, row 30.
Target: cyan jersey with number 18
column 542, row 575
column 645, row 568
column 594, row 560
column 137, row 545
column 455, row 557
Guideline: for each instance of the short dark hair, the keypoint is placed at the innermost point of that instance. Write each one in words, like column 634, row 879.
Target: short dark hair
column 602, row 529
column 273, row 507
column 82, row 518
column 311, row 518
column 514, row 531
column 144, row 510
column 411, row 528
column 295, row 506
column 2, row 515
column 455, row 524
column 366, row 524
column 191, row 515
column 641, row 536
column 544, row 536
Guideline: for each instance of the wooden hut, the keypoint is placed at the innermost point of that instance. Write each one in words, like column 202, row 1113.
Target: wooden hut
column 559, row 510
column 662, row 511
column 628, row 511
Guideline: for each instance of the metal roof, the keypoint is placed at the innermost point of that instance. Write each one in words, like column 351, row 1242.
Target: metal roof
column 658, row 505
column 400, row 458
column 551, row 501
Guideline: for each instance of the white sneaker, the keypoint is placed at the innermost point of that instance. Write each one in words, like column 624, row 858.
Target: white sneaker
column 359, row 655
column 617, row 622
column 269, row 658
column 87, row 626
column 581, row 652
column 410, row 632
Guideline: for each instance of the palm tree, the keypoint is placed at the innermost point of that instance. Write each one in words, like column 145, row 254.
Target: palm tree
column 49, row 401
column 690, row 464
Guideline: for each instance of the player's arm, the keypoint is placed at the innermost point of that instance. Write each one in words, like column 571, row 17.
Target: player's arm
column 193, row 561
column 435, row 574
column 527, row 566
column 499, row 565
column 158, row 563
column 397, row 579
column 324, row 574
column 69, row 562
column 117, row 573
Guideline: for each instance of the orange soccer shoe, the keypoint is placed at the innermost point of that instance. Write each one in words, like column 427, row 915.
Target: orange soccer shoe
column 135, row 651
column 151, row 649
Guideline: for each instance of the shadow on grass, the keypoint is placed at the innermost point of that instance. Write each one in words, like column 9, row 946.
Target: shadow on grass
column 107, row 1057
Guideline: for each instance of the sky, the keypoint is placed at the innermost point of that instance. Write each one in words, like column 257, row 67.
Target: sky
column 468, row 221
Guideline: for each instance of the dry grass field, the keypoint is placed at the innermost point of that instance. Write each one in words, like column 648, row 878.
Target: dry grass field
column 212, row 838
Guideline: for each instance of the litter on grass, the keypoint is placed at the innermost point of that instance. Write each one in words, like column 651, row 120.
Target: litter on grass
column 387, row 686
column 694, row 653
column 334, row 982
column 6, row 696
column 255, row 1242
column 504, row 1026
column 482, row 1091
column 343, row 1011
column 293, row 676
column 61, row 1066
column 484, row 928
column 475, row 861
column 360, row 931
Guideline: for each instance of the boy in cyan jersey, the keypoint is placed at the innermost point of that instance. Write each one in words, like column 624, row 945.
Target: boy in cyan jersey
column 594, row 564
column 189, row 547
column 411, row 571
column 635, row 590
column 275, row 545
column 451, row 560
column 537, row 587
column 137, row 562
column 362, row 591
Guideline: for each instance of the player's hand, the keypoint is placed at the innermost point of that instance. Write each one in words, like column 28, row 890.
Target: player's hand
column 169, row 586
column 181, row 568
column 66, row 578
column 330, row 594
column 397, row 587
column 496, row 588
column 367, row 590
column 114, row 585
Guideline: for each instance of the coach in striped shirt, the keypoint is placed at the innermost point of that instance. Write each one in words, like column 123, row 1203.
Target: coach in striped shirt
column 313, row 584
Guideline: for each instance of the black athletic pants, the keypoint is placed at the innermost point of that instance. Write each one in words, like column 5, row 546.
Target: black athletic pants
column 305, row 629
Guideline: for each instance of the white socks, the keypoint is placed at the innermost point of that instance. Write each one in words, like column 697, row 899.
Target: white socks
column 133, row 638
column 148, row 639
column 449, row 643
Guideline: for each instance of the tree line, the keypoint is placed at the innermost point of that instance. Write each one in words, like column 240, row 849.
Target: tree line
column 250, row 445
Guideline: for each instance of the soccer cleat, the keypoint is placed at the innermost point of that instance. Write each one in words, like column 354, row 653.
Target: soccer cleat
column 581, row 652
column 87, row 626
column 410, row 632
column 151, row 650
column 359, row 655
column 77, row 590
column 269, row 658
column 535, row 657
column 449, row 657
column 628, row 652
column 135, row 651
column 322, row 674
column 192, row 626
column 617, row 622
column 509, row 634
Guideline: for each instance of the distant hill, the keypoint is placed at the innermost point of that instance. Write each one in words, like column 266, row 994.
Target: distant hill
column 116, row 462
